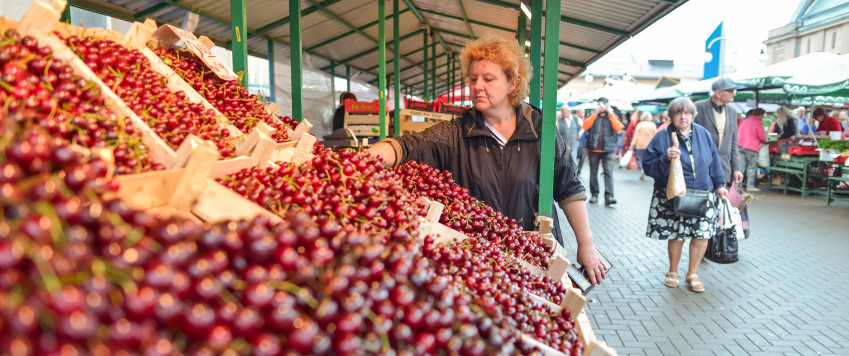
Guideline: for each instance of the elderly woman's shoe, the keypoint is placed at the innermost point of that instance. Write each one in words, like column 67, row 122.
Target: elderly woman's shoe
column 671, row 279
column 695, row 285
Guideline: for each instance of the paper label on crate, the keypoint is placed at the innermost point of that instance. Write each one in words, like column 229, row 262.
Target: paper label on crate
column 179, row 37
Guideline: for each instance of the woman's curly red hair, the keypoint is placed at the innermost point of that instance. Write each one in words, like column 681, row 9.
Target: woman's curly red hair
column 506, row 53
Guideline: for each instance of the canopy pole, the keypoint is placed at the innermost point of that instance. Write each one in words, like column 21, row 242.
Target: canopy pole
column 381, row 59
column 296, row 54
column 272, row 92
column 396, row 66
column 348, row 77
column 546, row 164
column 536, row 52
column 433, row 71
column 424, row 46
column 239, row 34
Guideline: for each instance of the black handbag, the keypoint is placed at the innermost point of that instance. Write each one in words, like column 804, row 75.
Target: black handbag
column 722, row 247
column 694, row 204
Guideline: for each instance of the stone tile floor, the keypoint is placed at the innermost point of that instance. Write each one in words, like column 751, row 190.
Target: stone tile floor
column 788, row 294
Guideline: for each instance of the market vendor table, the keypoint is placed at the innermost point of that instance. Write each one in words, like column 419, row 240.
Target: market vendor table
column 796, row 166
column 835, row 193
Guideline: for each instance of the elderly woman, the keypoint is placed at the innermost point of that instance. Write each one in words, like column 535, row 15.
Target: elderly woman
column 643, row 134
column 493, row 149
column 702, row 170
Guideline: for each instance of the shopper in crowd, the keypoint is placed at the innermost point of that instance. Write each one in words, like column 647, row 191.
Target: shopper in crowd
column 805, row 126
column 663, row 120
column 493, row 149
column 582, row 152
column 643, row 134
column 750, row 138
column 720, row 120
column 702, row 170
column 569, row 127
column 633, row 120
column 602, row 128
column 620, row 139
column 339, row 115
column 785, row 124
column 843, row 119
column 825, row 123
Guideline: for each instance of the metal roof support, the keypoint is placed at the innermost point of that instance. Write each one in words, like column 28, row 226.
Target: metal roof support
column 346, row 34
column 154, row 9
column 66, row 15
column 96, row 9
column 521, row 31
column 363, row 53
column 396, row 67
column 277, row 23
column 424, row 46
column 546, row 164
column 239, row 35
column 536, row 52
column 594, row 25
column 381, row 58
column 296, row 58
column 424, row 21
column 465, row 17
column 272, row 96
column 450, row 77
column 348, row 77
column 433, row 70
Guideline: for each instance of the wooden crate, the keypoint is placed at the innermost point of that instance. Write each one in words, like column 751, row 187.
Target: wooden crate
column 433, row 118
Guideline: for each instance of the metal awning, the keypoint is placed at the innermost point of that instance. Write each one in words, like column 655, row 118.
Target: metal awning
column 340, row 33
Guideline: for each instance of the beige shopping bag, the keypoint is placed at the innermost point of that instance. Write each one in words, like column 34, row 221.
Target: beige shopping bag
column 675, row 186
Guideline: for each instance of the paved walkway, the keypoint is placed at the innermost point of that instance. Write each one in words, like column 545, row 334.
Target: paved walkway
column 788, row 294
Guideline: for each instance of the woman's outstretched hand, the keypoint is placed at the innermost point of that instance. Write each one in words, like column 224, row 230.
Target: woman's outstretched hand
column 590, row 260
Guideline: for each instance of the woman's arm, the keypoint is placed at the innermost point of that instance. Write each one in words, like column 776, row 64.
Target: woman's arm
column 576, row 213
column 385, row 151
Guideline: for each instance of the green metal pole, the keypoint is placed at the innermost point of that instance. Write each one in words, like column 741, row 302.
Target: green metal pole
column 523, row 24
column 433, row 72
column 296, row 51
column 381, row 73
column 396, row 66
column 546, row 163
column 536, row 52
column 239, row 33
column 348, row 77
column 66, row 14
column 272, row 96
column 424, row 44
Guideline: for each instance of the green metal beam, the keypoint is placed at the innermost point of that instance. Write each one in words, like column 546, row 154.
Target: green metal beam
column 381, row 73
column 441, row 14
column 424, row 70
column 466, row 18
column 506, row 4
column 442, row 30
column 348, row 77
column 396, row 69
column 94, row 8
column 154, row 9
column 346, row 34
column 549, row 111
column 536, row 53
column 239, row 35
column 277, row 23
column 297, row 56
column 433, row 70
column 66, row 14
column 363, row 53
column 521, row 31
column 272, row 96
column 424, row 21
column 593, row 25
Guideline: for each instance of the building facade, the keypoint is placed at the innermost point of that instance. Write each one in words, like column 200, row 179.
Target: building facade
column 817, row 26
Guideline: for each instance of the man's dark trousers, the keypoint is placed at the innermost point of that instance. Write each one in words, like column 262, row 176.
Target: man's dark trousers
column 606, row 159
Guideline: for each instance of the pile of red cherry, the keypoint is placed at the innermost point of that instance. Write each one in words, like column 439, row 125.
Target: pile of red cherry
column 128, row 73
column 39, row 90
column 474, row 218
column 232, row 100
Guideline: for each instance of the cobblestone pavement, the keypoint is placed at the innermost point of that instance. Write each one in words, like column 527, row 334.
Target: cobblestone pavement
column 788, row 294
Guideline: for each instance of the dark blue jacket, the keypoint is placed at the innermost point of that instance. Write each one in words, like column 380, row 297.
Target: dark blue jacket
column 709, row 175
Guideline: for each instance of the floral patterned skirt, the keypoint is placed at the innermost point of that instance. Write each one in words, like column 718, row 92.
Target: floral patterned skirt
column 665, row 225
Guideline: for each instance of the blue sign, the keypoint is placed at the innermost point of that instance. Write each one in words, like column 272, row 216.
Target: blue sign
column 713, row 45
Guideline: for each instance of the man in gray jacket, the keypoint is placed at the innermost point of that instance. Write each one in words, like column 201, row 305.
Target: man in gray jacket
column 721, row 121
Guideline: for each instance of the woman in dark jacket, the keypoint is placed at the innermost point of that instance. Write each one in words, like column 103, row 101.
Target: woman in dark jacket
column 493, row 149
column 702, row 170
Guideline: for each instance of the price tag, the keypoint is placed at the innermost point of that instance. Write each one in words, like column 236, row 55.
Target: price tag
column 178, row 37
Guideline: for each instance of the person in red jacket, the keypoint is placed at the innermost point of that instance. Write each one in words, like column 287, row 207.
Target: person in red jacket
column 826, row 123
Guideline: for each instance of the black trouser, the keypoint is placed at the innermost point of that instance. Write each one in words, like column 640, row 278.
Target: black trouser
column 606, row 159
